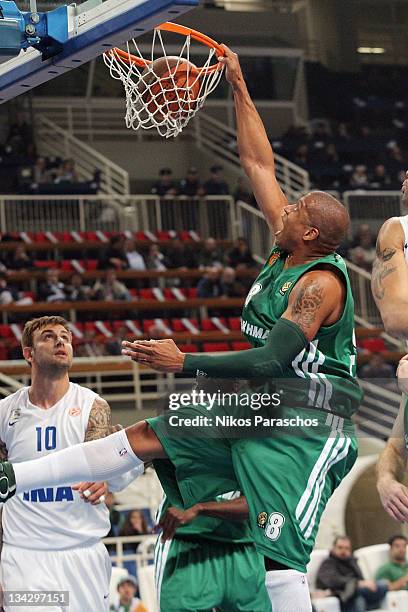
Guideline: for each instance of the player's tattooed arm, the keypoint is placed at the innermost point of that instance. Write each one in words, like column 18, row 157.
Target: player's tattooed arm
column 389, row 280
column 100, row 421
column 317, row 299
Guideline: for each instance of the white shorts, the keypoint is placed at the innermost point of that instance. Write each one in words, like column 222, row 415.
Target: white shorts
column 83, row 571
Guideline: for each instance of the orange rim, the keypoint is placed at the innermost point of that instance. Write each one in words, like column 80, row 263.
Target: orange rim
column 168, row 26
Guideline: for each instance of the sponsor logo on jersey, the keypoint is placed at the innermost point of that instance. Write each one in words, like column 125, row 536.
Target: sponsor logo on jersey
column 253, row 291
column 14, row 416
column 261, row 519
column 74, row 412
column 254, row 331
column 50, row 494
column 285, row 287
column 273, row 258
column 122, row 452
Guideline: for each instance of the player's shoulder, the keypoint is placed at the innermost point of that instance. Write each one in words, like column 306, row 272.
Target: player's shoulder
column 392, row 228
column 14, row 399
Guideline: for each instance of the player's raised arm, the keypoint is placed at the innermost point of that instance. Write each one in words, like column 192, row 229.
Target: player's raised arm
column 254, row 148
column 391, row 468
column 389, row 281
column 228, row 510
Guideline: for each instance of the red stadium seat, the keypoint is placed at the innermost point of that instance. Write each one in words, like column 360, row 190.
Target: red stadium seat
column 146, row 294
column 234, row 323
column 91, row 264
column 64, row 236
column 209, row 325
column 192, row 292
column 6, row 331
column 179, row 326
column 213, row 347
column 45, row 263
column 188, row 348
column 66, row 265
column 149, row 323
column 240, row 346
column 374, row 345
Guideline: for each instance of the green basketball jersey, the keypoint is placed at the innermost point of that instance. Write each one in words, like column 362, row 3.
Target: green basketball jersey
column 323, row 375
column 211, row 528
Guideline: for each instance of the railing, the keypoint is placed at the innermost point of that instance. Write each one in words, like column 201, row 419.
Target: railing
column 372, row 207
column 54, row 140
column 377, row 414
column 210, row 216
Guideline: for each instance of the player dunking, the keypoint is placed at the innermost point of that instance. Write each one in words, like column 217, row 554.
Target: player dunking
column 301, row 307
column 390, row 290
column 51, row 538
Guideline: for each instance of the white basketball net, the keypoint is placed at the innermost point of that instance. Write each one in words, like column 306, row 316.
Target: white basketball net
column 148, row 103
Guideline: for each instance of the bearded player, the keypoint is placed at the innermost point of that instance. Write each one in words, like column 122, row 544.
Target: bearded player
column 51, row 537
column 389, row 285
column 299, row 316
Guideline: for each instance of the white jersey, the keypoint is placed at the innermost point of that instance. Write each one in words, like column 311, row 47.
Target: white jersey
column 404, row 223
column 50, row 518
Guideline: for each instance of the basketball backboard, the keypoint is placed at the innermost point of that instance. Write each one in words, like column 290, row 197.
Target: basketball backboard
column 93, row 27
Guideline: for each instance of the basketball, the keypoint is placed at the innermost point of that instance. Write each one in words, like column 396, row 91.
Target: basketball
column 173, row 87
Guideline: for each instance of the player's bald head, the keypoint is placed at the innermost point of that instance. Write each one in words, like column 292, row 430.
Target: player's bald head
column 328, row 216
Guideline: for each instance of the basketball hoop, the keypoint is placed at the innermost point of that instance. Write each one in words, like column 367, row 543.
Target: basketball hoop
column 167, row 91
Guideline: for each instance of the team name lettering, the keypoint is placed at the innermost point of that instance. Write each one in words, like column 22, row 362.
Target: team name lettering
column 50, row 494
column 254, row 331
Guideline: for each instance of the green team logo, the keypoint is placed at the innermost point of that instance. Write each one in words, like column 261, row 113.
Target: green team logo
column 262, row 518
column 253, row 291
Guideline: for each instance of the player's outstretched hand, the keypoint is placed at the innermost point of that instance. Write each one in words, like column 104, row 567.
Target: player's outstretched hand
column 394, row 498
column 161, row 355
column 174, row 518
column 92, row 492
column 230, row 61
column 402, row 374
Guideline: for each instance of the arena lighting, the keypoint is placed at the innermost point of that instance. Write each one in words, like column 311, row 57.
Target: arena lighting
column 372, row 50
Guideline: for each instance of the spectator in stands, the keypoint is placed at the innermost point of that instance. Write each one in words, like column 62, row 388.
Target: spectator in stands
column 341, row 574
column 396, row 570
column 76, row 290
column 380, row 179
column 179, row 256
column 362, row 252
column 155, row 258
column 135, row 524
column 216, row 184
column 377, row 368
column 210, row 285
column 230, row 286
column 115, row 256
column 165, row 186
column 128, row 602
column 396, row 160
column 359, row 178
column 241, row 257
column 66, row 172
column 20, row 135
column 190, row 186
column 114, row 344
column 8, row 293
column 302, row 156
column 134, row 259
column 210, row 255
column 52, row 289
column 39, row 172
column 243, row 192
column 90, row 346
column 111, row 289
column 19, row 260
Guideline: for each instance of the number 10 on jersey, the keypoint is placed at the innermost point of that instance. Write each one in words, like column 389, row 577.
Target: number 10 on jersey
column 46, row 438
